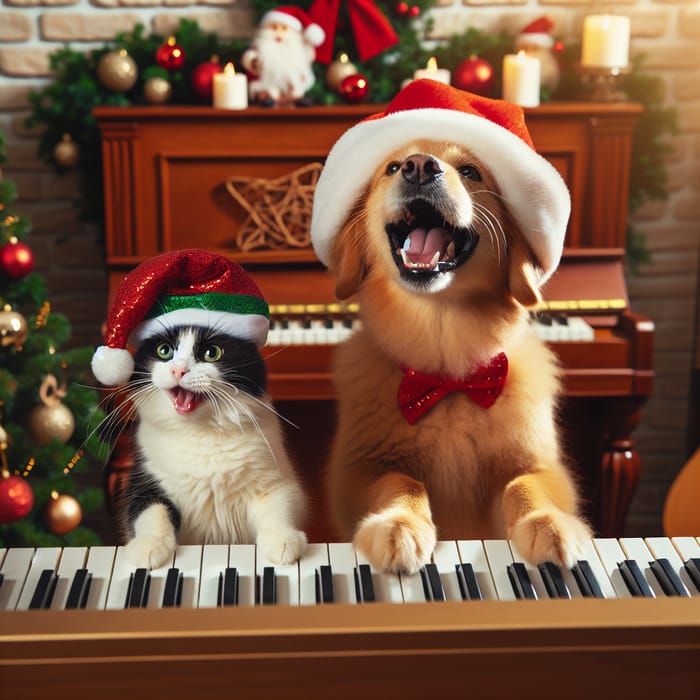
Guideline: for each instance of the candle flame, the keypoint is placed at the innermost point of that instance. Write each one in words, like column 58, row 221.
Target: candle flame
column 432, row 64
column 521, row 56
column 229, row 69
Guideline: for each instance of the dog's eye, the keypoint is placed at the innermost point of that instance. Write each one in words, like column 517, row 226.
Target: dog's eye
column 470, row 172
column 393, row 167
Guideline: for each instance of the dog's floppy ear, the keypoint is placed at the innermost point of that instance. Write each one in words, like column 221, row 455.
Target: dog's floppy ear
column 523, row 274
column 347, row 259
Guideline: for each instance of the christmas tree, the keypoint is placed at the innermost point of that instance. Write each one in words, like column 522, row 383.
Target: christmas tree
column 48, row 410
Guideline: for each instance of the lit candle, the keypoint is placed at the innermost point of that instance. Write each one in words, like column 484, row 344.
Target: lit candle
column 606, row 41
column 521, row 79
column 431, row 71
column 230, row 89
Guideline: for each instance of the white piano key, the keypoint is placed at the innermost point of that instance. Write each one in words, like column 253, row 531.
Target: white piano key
column 100, row 563
column 242, row 557
column 686, row 547
column 315, row 556
column 188, row 560
column 611, row 554
column 636, row 549
column 591, row 555
column 15, row 567
column 72, row 559
column 287, row 578
column 44, row 558
column 473, row 552
column 157, row 585
column 662, row 548
column 412, row 588
column 341, row 556
column 499, row 556
column 387, row 587
column 446, row 558
column 119, row 583
column 214, row 563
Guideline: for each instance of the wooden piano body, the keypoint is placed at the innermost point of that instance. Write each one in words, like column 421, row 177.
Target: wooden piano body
column 165, row 171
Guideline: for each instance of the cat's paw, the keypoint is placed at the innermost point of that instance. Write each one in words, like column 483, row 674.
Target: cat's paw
column 550, row 535
column 151, row 551
column 283, row 546
column 396, row 540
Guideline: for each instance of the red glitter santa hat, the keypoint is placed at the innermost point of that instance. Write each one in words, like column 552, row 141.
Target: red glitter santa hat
column 493, row 130
column 185, row 287
column 537, row 33
column 297, row 19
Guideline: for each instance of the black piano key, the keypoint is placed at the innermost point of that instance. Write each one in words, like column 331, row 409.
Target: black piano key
column 43, row 593
column 468, row 585
column 324, row 584
column 634, row 579
column 2, row 578
column 79, row 590
column 268, row 591
column 172, row 593
column 139, row 586
column 432, row 585
column 586, row 580
column 692, row 566
column 668, row 579
column 364, row 588
column 553, row 580
column 228, row 587
column 519, row 579
column 543, row 318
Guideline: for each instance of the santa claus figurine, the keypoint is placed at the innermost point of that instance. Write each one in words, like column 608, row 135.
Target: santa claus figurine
column 280, row 59
column 536, row 40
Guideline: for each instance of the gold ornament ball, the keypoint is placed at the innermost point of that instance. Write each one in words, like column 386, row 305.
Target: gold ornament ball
column 117, row 71
column 339, row 69
column 157, row 90
column 62, row 513
column 66, row 152
column 51, row 421
column 13, row 328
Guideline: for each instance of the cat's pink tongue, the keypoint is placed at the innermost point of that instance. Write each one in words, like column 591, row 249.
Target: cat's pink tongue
column 184, row 401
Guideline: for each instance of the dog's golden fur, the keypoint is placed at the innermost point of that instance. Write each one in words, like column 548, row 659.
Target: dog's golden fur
column 461, row 471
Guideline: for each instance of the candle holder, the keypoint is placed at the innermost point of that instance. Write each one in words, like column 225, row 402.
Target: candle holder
column 601, row 82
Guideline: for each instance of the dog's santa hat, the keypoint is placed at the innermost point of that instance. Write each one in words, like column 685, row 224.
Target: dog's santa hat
column 493, row 130
column 298, row 20
column 184, row 287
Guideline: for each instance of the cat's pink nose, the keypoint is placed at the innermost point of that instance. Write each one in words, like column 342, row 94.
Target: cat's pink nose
column 177, row 372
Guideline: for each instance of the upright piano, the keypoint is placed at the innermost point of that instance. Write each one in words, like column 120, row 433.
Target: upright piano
column 168, row 173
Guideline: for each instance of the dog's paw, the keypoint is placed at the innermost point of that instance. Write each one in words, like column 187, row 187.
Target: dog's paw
column 283, row 546
column 396, row 540
column 151, row 551
column 550, row 535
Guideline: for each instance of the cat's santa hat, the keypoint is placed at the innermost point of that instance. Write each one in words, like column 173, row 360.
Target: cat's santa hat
column 494, row 131
column 185, row 287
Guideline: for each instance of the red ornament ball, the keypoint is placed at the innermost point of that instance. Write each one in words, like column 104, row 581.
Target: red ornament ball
column 170, row 56
column 354, row 88
column 16, row 498
column 203, row 79
column 474, row 75
column 414, row 11
column 16, row 259
column 402, row 8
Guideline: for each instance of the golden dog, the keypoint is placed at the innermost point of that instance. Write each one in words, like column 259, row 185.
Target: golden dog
column 444, row 274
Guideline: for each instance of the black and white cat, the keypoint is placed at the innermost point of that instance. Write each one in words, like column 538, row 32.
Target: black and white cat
column 211, row 466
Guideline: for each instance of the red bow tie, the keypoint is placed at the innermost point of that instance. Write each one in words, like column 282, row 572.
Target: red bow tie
column 419, row 392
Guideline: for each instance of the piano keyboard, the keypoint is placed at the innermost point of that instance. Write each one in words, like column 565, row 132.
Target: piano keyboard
column 211, row 576
column 329, row 324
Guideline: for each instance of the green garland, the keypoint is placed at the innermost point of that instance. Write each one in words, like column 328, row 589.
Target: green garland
column 65, row 106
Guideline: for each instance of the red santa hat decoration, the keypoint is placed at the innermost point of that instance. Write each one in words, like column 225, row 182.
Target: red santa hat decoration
column 298, row 20
column 537, row 33
column 493, row 130
column 186, row 287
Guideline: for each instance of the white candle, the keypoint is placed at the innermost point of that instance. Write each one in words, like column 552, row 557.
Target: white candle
column 432, row 72
column 230, row 89
column 606, row 41
column 521, row 79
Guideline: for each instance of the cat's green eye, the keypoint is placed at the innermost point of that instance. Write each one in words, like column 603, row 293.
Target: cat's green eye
column 165, row 351
column 213, row 353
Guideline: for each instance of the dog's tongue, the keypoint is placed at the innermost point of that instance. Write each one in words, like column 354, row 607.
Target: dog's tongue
column 421, row 246
column 184, row 401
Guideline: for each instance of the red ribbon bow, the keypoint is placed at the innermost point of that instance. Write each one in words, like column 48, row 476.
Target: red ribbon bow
column 419, row 392
column 372, row 30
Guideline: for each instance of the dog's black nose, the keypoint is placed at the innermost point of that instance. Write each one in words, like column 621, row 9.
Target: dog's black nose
column 420, row 169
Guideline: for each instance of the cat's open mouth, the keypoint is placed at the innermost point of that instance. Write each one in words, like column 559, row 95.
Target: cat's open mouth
column 423, row 243
column 185, row 401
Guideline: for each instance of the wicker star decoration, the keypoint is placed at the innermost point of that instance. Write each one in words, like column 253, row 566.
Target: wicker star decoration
column 279, row 211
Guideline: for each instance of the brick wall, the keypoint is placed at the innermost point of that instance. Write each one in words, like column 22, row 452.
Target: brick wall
column 668, row 32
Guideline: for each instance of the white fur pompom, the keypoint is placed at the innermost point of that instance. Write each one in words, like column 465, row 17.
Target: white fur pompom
column 314, row 34
column 112, row 366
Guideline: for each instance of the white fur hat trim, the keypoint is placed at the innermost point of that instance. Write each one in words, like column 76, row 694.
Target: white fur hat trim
column 112, row 366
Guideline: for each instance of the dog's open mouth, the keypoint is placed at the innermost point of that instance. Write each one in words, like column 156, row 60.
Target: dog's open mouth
column 423, row 243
